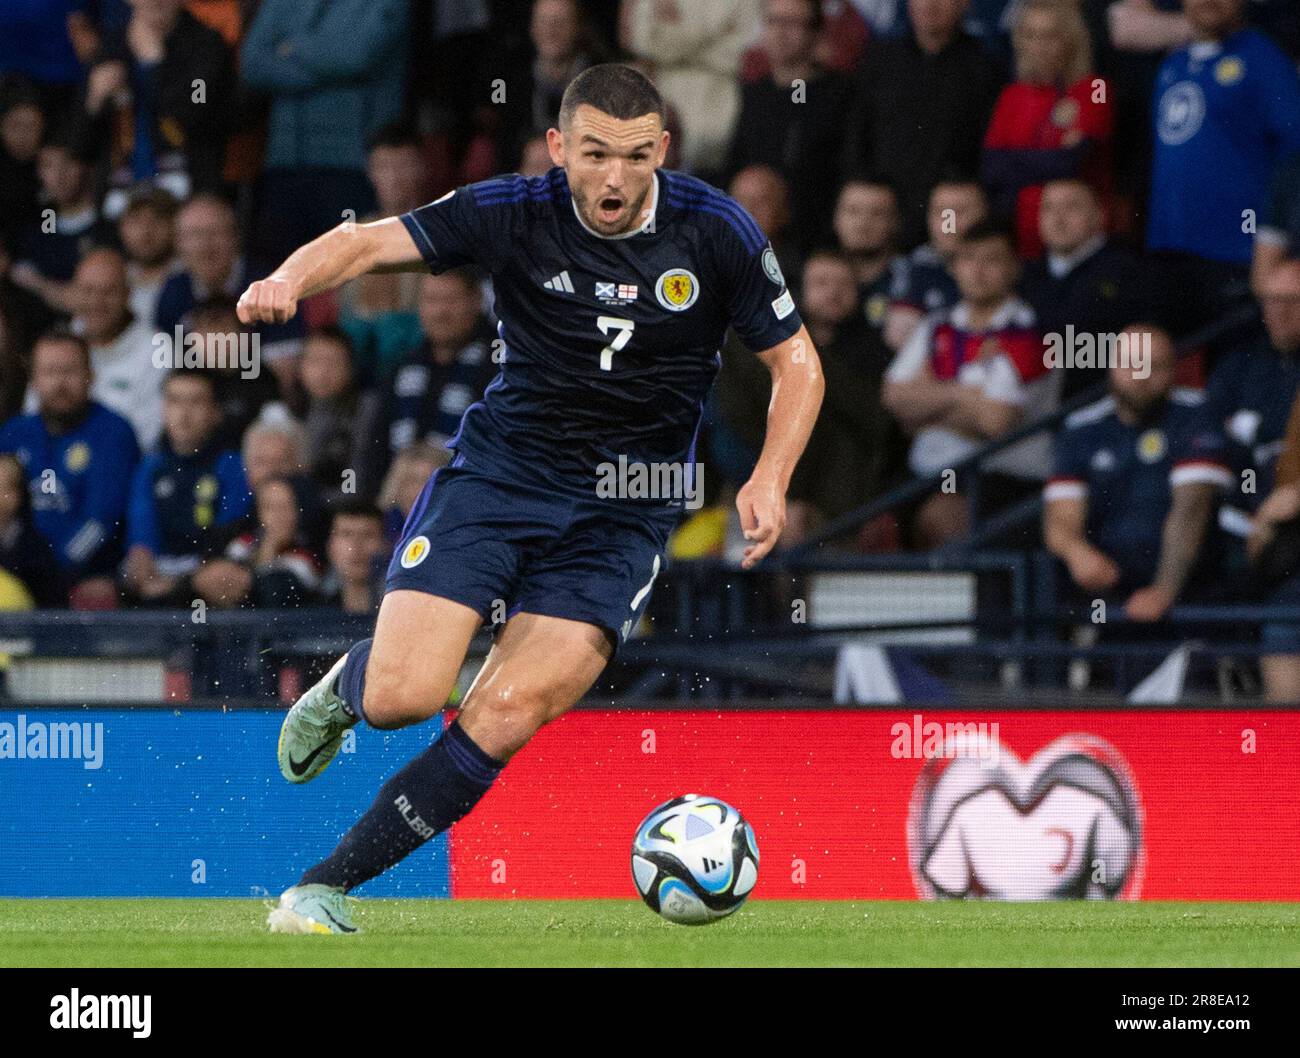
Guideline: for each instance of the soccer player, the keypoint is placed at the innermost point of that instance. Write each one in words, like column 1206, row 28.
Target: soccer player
column 615, row 281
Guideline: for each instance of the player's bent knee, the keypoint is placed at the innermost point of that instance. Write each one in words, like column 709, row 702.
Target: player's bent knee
column 502, row 722
column 398, row 699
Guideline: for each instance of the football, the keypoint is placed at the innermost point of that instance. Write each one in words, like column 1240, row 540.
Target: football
column 694, row 860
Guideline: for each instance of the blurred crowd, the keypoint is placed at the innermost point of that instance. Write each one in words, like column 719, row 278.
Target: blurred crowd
column 952, row 186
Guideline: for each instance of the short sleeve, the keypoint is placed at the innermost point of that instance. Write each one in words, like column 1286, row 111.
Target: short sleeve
column 1003, row 383
column 470, row 225
column 759, row 304
column 1201, row 455
column 911, row 358
column 1069, row 480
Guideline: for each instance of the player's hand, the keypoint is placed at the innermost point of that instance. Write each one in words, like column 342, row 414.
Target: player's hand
column 1092, row 570
column 267, row 301
column 761, row 503
column 1148, row 604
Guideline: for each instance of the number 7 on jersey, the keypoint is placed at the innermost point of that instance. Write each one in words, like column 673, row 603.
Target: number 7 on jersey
column 624, row 335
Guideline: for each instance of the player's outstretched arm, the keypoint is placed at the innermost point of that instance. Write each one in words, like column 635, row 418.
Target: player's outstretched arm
column 340, row 255
column 797, row 388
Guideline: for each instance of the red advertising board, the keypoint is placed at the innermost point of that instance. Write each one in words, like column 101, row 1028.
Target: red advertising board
column 1035, row 804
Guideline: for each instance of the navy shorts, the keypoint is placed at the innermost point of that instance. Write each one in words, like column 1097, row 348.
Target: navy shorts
column 501, row 547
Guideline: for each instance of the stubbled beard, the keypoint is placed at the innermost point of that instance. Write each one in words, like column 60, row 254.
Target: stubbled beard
column 1137, row 408
column 66, row 417
column 589, row 214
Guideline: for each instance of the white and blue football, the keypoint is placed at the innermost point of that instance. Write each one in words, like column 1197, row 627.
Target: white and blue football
column 694, row 860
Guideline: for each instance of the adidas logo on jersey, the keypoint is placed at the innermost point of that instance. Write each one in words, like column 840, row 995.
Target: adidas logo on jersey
column 561, row 283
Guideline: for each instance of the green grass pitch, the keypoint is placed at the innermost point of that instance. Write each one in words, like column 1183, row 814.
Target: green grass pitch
column 625, row 933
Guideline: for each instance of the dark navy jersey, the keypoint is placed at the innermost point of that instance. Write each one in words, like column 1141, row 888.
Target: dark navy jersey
column 425, row 401
column 176, row 501
column 608, row 345
column 1250, row 394
column 1127, row 473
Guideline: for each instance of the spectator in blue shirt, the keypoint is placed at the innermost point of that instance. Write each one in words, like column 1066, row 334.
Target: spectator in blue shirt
column 1137, row 479
column 1227, row 111
column 78, row 457
column 182, row 492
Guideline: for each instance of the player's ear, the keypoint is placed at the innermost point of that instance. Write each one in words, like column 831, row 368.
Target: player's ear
column 555, row 145
column 663, row 149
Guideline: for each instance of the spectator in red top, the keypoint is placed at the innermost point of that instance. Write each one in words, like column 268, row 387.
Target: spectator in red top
column 969, row 375
column 1054, row 122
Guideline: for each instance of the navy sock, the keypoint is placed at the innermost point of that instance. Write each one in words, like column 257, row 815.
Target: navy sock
column 427, row 796
column 351, row 682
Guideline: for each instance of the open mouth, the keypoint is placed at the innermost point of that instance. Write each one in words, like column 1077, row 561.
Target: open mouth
column 609, row 209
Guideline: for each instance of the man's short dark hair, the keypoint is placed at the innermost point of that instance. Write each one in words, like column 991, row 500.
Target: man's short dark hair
column 395, row 134
column 212, row 198
column 1074, row 181
column 355, row 507
column 218, row 306
column 989, row 231
column 208, row 378
column 62, row 335
column 828, row 252
column 613, row 89
column 953, row 178
column 75, row 139
column 332, row 332
column 157, row 200
column 867, row 178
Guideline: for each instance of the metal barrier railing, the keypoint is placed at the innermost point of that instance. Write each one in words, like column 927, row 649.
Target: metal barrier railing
column 969, row 466
column 237, row 656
